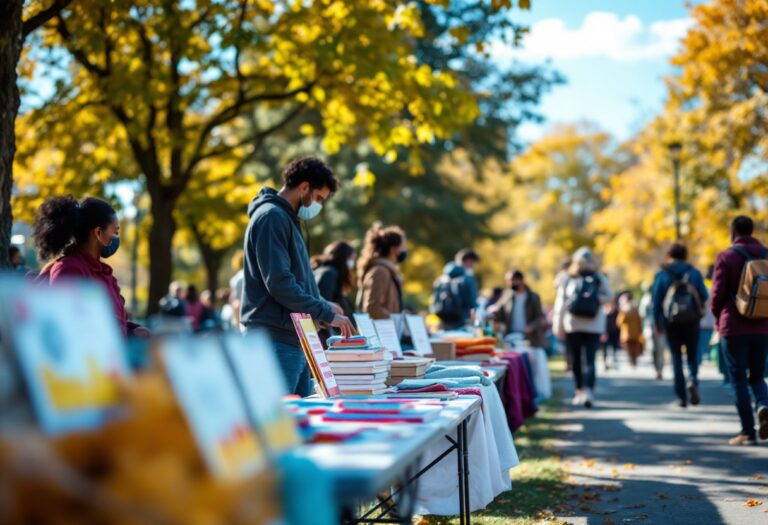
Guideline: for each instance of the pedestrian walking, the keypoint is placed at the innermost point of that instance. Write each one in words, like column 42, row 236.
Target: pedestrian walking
column 740, row 306
column 654, row 343
column 579, row 318
column 679, row 296
column 630, row 327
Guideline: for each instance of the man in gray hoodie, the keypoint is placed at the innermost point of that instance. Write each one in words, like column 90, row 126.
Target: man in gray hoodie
column 278, row 278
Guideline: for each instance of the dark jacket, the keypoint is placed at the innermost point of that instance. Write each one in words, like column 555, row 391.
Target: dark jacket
column 331, row 289
column 278, row 275
column 78, row 264
column 465, row 286
column 664, row 280
column 725, row 284
column 534, row 315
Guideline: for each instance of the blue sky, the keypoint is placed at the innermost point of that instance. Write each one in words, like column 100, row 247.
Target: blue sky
column 613, row 53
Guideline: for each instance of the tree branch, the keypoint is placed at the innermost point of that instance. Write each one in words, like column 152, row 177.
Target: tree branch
column 41, row 18
column 81, row 57
column 228, row 114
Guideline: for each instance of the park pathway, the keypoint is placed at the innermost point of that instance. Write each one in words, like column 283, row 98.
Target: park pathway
column 638, row 458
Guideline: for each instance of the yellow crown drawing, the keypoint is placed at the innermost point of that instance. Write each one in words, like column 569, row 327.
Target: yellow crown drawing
column 97, row 389
column 241, row 447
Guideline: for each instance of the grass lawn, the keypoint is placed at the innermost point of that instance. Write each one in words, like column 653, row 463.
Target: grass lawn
column 538, row 483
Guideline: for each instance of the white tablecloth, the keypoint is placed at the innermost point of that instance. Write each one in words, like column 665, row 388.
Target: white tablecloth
column 492, row 454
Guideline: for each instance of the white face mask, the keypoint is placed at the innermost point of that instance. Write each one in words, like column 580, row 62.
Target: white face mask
column 351, row 264
column 307, row 213
column 469, row 271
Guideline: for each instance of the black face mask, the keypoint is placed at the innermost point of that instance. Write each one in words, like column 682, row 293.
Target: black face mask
column 402, row 256
column 516, row 287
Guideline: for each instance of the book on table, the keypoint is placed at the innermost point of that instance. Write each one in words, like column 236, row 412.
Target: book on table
column 354, row 355
column 346, row 378
column 342, row 368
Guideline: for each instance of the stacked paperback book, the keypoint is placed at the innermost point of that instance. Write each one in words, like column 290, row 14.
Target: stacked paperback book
column 408, row 368
column 359, row 367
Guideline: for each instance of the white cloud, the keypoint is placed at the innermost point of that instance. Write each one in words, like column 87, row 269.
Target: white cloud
column 602, row 35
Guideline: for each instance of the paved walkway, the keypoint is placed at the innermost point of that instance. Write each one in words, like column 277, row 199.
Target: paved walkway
column 638, row 458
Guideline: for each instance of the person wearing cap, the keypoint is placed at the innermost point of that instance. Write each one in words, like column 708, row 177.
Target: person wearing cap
column 580, row 319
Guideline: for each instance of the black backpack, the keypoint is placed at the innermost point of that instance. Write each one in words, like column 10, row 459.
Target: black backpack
column 447, row 301
column 682, row 303
column 583, row 298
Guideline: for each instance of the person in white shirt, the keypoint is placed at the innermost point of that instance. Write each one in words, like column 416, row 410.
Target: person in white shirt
column 580, row 319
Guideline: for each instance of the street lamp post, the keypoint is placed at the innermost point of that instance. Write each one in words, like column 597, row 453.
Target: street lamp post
column 675, row 149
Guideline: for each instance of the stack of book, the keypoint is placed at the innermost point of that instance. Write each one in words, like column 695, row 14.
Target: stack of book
column 408, row 368
column 358, row 367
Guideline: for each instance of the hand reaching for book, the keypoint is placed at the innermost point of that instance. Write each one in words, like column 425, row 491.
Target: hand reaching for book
column 344, row 324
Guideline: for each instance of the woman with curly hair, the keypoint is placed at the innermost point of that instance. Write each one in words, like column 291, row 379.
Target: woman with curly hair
column 380, row 291
column 74, row 237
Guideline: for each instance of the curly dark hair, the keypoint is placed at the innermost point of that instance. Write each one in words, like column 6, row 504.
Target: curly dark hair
column 62, row 222
column 336, row 254
column 312, row 170
column 379, row 240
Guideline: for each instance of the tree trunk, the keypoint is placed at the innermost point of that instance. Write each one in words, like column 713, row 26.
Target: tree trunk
column 160, row 248
column 10, row 49
column 212, row 258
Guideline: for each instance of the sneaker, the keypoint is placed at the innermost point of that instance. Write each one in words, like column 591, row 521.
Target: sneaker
column 589, row 398
column 693, row 392
column 659, row 377
column 682, row 404
column 742, row 440
column 578, row 398
column 762, row 420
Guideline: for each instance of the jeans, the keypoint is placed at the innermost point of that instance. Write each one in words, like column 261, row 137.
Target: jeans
column 747, row 353
column 678, row 337
column 582, row 345
column 295, row 368
column 705, row 336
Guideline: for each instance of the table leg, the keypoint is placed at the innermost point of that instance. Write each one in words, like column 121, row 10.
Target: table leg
column 465, row 457
column 460, row 461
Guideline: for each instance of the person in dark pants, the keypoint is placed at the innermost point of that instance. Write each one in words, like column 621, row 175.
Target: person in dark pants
column 581, row 322
column 278, row 276
column 746, row 339
column 679, row 295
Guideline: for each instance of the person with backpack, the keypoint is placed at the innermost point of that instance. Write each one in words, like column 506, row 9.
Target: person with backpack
column 519, row 311
column 679, row 295
column 740, row 306
column 452, row 297
column 579, row 318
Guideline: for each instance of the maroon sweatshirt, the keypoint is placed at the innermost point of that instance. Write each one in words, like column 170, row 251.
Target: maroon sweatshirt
column 725, row 284
column 78, row 264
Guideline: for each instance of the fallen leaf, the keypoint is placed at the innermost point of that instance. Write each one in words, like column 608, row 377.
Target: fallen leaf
column 753, row 503
column 758, row 477
column 688, row 462
column 630, row 466
column 609, row 521
column 588, row 463
column 614, row 473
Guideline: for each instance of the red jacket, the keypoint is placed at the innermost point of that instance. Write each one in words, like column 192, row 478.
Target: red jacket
column 725, row 284
column 80, row 265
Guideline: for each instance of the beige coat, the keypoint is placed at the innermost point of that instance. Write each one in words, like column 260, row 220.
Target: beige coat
column 380, row 291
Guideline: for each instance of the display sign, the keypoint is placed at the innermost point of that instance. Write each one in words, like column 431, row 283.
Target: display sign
column 69, row 349
column 315, row 354
column 253, row 360
column 419, row 335
column 388, row 336
column 366, row 327
column 210, row 399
